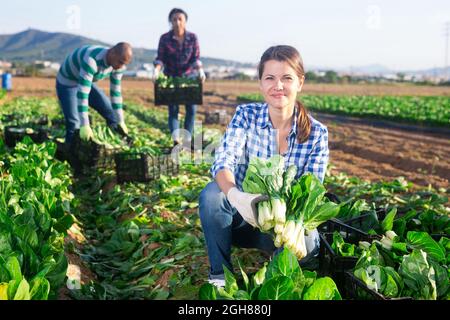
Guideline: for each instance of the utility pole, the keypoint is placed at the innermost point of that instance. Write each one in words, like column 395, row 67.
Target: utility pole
column 446, row 34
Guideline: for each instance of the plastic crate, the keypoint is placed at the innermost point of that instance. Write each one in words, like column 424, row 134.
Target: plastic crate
column 358, row 290
column 138, row 167
column 179, row 95
column 167, row 165
column 217, row 117
column 87, row 155
column 61, row 152
column 14, row 134
column 142, row 167
column 330, row 263
column 16, row 118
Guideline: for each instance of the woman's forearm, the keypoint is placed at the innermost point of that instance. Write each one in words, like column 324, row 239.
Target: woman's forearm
column 225, row 180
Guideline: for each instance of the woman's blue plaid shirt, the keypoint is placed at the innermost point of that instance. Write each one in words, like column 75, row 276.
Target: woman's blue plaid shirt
column 251, row 134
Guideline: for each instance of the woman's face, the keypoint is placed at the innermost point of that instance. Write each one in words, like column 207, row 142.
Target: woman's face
column 178, row 21
column 280, row 84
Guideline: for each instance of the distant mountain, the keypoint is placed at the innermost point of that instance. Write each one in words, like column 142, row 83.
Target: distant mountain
column 32, row 44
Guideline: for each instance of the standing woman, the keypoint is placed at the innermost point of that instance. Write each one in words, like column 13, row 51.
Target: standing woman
column 178, row 56
column 279, row 125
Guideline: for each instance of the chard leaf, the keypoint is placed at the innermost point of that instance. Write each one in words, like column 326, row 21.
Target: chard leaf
column 322, row 289
column 423, row 241
column 315, row 192
column 40, row 288
column 418, row 276
column 363, row 275
column 322, row 213
column 442, row 279
column 244, row 277
column 230, row 282
column 260, row 276
column 207, row 292
column 13, row 267
column 388, row 222
column 278, row 288
column 3, row 291
column 284, row 263
column 23, row 291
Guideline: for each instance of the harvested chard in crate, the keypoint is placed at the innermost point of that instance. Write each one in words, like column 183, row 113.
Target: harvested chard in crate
column 14, row 134
column 87, row 155
column 178, row 90
column 338, row 250
column 142, row 167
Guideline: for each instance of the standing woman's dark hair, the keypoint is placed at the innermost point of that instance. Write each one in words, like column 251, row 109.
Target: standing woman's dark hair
column 290, row 55
column 175, row 11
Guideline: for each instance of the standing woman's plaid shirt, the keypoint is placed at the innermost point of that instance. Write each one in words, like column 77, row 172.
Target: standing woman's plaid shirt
column 178, row 60
column 251, row 134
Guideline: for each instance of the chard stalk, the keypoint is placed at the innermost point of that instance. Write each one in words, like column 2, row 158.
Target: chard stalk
column 293, row 237
column 391, row 234
column 278, row 240
column 263, row 212
column 279, row 210
column 386, row 243
column 288, row 231
column 279, row 228
column 300, row 245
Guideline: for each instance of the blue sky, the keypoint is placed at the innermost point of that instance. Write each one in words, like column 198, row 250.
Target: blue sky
column 399, row 34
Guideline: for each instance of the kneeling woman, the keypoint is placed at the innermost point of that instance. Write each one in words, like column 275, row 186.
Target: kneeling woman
column 280, row 125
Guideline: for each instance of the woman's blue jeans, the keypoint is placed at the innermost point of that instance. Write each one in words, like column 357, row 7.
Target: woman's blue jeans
column 69, row 103
column 223, row 227
column 189, row 120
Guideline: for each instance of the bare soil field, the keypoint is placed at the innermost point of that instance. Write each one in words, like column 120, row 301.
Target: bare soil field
column 363, row 150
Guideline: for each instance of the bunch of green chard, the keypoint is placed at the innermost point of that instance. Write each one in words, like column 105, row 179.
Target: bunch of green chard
column 294, row 208
column 35, row 214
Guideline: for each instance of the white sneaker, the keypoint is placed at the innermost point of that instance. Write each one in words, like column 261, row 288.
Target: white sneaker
column 219, row 283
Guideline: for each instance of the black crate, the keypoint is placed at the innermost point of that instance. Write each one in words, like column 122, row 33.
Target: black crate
column 168, row 165
column 330, row 263
column 14, row 134
column 142, row 167
column 88, row 155
column 17, row 119
column 61, row 152
column 138, row 167
column 192, row 94
column 358, row 290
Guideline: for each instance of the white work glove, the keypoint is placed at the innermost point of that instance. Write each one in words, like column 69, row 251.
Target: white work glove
column 245, row 204
column 202, row 75
column 86, row 133
column 155, row 74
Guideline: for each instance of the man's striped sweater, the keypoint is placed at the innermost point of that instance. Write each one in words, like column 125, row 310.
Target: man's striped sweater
column 84, row 66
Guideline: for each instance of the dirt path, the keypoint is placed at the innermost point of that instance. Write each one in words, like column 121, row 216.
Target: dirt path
column 361, row 150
